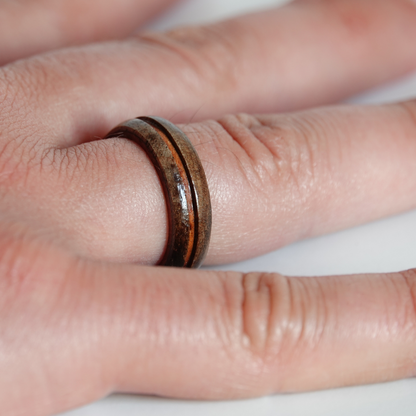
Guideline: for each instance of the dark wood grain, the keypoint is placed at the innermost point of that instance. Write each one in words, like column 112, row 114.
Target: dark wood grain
column 184, row 185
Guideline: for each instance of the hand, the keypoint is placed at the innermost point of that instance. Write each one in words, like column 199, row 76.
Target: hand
column 79, row 320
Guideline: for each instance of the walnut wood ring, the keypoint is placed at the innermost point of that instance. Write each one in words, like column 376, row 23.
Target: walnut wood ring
column 184, row 184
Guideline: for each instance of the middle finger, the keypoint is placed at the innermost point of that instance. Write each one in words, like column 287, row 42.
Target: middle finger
column 304, row 54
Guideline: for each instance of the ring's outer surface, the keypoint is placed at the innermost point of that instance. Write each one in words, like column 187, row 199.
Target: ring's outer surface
column 184, row 185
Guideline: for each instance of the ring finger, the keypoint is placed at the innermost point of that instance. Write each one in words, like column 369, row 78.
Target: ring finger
column 299, row 167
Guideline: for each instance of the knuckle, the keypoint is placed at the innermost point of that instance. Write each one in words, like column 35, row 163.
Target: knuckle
column 296, row 145
column 281, row 151
column 259, row 296
column 276, row 314
column 271, row 321
column 254, row 163
column 281, row 314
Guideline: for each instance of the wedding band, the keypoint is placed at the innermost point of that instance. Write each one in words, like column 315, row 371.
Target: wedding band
column 184, row 185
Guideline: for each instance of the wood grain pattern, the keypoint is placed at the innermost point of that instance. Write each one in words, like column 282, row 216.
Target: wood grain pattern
column 184, row 185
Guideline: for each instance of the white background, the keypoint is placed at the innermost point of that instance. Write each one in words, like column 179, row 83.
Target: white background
column 383, row 246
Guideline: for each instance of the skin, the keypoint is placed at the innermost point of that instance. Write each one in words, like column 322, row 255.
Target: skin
column 82, row 311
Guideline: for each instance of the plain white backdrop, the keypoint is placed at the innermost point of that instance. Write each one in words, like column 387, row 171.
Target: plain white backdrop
column 383, row 246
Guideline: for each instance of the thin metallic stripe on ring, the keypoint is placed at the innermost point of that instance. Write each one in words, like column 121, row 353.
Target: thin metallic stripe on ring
column 184, row 185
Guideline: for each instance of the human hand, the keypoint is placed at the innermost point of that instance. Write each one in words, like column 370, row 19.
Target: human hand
column 75, row 326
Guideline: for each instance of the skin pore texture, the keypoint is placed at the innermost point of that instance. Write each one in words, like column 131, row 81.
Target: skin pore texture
column 82, row 221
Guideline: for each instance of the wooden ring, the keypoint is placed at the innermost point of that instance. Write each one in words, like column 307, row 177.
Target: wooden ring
column 184, row 185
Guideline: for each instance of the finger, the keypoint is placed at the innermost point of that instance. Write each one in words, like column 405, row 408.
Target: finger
column 304, row 54
column 273, row 180
column 133, row 224
column 29, row 27
column 199, row 335
column 255, row 334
